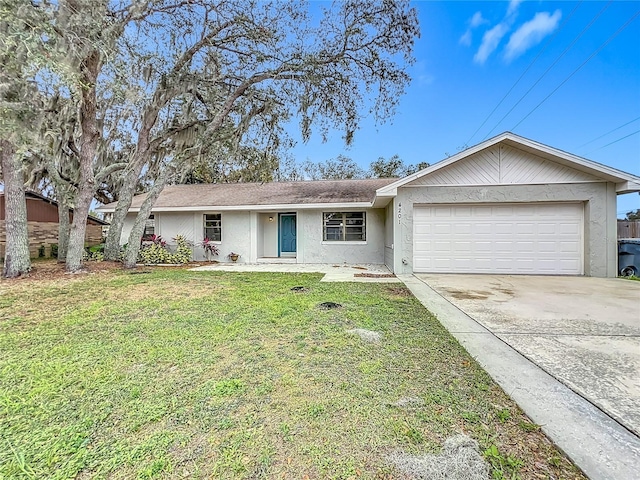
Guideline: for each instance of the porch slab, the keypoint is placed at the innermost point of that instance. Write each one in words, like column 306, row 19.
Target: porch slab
column 333, row 272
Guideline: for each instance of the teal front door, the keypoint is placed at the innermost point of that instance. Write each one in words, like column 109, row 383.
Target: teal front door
column 287, row 233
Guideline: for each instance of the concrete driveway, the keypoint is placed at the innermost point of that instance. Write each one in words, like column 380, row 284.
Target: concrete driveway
column 583, row 331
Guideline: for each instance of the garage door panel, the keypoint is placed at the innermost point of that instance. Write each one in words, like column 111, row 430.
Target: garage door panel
column 422, row 229
column 442, row 228
column 442, row 212
column 442, row 247
column 503, row 228
column 569, row 247
column 525, row 229
column 483, row 247
column 463, row 247
column 462, row 212
column 479, row 212
column 503, row 247
column 569, row 229
column 525, row 247
column 547, row 228
column 514, row 238
column 463, row 228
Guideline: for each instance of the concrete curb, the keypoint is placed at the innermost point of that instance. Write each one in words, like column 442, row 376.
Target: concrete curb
column 596, row 443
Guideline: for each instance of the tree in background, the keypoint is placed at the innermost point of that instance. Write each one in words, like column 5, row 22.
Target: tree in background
column 345, row 168
column 633, row 215
column 394, row 167
column 339, row 168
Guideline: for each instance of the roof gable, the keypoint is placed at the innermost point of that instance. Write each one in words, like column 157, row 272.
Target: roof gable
column 502, row 164
column 549, row 165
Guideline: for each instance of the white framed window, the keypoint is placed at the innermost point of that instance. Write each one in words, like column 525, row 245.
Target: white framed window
column 344, row 226
column 149, row 227
column 213, row 226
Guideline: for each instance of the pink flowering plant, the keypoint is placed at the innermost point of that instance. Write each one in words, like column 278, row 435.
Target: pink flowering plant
column 210, row 248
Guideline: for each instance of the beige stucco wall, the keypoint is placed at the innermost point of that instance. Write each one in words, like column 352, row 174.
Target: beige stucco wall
column 600, row 236
column 311, row 248
column 252, row 236
column 388, row 235
column 267, row 235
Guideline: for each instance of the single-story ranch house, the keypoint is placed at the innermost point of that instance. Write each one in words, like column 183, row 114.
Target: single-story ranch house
column 508, row 205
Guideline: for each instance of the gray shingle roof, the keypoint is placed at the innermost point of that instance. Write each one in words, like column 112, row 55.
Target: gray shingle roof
column 275, row 193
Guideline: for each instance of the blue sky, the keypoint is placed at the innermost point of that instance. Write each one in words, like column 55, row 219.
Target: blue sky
column 471, row 54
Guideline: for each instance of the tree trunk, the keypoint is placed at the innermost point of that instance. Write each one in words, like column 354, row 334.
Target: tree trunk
column 88, row 149
column 64, row 225
column 78, row 229
column 17, row 260
column 125, row 197
column 130, row 179
column 135, row 237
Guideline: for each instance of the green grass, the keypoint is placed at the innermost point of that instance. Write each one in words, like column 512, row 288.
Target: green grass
column 632, row 277
column 178, row 374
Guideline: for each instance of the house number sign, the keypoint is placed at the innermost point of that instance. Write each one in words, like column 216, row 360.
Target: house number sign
column 399, row 212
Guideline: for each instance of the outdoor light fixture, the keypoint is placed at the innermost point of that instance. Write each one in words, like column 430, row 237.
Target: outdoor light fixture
column 271, row 219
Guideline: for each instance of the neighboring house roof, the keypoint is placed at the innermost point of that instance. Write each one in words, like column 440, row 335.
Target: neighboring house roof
column 38, row 196
column 625, row 182
column 263, row 196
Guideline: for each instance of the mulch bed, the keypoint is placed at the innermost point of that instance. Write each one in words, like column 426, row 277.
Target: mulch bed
column 374, row 275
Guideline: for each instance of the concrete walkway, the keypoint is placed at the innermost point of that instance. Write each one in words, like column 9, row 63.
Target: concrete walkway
column 332, row 272
column 599, row 445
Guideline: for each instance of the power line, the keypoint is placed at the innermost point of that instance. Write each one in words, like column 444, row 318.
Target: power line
column 597, row 51
column 615, row 141
column 544, row 47
column 605, row 134
column 569, row 47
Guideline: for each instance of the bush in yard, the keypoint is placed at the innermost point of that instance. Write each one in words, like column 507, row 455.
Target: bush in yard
column 183, row 252
column 154, row 253
column 157, row 251
column 94, row 253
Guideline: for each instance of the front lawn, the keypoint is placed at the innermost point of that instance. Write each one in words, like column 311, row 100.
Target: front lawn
column 176, row 374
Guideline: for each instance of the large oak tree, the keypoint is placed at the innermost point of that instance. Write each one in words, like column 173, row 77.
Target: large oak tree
column 164, row 82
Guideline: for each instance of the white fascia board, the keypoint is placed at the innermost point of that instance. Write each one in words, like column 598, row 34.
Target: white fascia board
column 382, row 201
column 236, row 208
column 480, row 185
column 627, row 187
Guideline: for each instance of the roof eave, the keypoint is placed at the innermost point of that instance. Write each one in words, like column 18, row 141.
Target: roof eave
column 237, row 208
column 627, row 187
column 381, row 201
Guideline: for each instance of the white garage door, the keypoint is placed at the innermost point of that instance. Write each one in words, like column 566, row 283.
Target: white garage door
column 540, row 238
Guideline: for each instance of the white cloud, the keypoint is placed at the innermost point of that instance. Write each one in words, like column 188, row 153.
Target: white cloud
column 477, row 20
column 513, row 7
column 531, row 33
column 490, row 41
column 473, row 22
column 466, row 38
